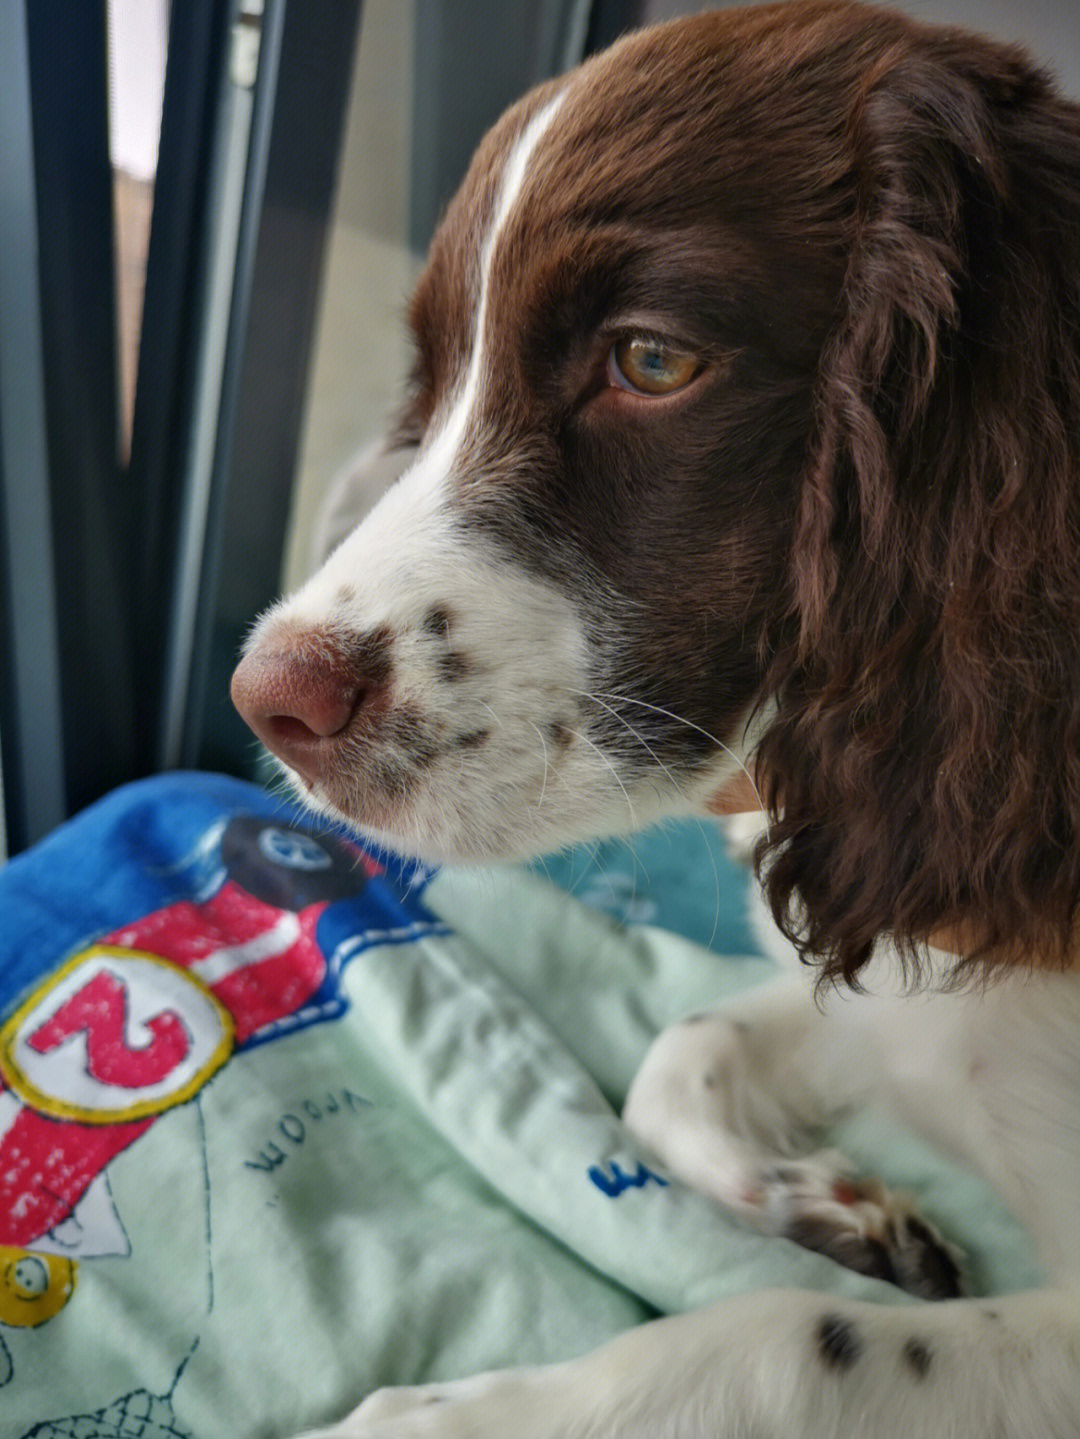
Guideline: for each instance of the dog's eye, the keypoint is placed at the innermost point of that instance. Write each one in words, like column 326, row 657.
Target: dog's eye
column 649, row 368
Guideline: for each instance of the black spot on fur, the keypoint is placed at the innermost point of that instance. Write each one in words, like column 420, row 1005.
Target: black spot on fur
column 472, row 739
column 437, row 623
column 560, row 734
column 918, row 1358
column 838, row 1343
column 408, row 733
column 872, row 1259
column 787, row 1174
column 370, row 655
column 454, row 666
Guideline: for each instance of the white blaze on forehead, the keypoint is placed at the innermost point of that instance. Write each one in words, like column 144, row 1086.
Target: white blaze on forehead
column 408, row 537
column 535, row 778
column 515, row 174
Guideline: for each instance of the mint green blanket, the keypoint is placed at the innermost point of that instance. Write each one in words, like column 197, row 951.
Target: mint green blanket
column 424, row 1177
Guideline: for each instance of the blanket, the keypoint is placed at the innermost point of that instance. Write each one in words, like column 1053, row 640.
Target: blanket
column 283, row 1119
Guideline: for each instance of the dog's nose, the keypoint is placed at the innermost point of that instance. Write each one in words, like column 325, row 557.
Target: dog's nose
column 299, row 698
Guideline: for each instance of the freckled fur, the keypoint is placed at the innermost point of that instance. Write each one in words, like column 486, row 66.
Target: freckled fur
column 849, row 555
column 838, row 1343
column 918, row 1358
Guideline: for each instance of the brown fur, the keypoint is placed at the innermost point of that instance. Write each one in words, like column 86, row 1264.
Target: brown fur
column 926, row 752
column 863, row 516
column 871, row 513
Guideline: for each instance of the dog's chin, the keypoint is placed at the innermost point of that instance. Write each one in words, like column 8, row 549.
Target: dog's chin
column 416, row 824
column 445, row 823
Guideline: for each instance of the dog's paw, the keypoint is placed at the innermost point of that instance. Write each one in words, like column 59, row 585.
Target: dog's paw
column 860, row 1224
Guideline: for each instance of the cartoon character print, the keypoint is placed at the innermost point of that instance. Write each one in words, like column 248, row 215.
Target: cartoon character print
column 136, row 1023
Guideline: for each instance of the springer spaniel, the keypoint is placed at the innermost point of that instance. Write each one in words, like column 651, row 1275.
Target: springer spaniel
column 744, row 445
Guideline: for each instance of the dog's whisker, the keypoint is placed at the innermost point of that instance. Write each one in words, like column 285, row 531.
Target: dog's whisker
column 618, row 780
column 689, row 724
column 640, row 739
column 701, row 828
column 540, row 860
column 543, row 746
column 639, row 863
column 592, row 850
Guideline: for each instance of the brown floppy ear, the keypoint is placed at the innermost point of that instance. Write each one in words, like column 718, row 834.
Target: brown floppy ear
column 924, row 761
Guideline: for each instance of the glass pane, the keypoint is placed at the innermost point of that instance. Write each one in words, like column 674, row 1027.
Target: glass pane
column 138, row 38
column 361, row 350
column 429, row 78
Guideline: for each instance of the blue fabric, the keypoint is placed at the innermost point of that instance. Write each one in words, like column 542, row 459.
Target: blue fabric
column 677, row 876
column 159, row 841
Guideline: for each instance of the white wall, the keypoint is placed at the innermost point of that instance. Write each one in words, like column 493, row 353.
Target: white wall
column 1050, row 28
column 138, row 37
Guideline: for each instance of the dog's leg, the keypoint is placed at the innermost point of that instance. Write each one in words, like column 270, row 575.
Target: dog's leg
column 783, row 1364
column 730, row 1101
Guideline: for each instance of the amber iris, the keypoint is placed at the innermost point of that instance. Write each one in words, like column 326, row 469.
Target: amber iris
column 651, row 368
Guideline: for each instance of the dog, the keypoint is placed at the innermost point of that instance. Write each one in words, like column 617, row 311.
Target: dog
column 742, row 470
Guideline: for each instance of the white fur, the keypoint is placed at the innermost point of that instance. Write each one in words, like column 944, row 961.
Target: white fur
column 991, row 1076
column 529, row 659
column 748, row 1369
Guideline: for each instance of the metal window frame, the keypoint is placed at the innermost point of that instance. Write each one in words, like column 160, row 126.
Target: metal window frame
column 31, row 734
column 183, row 230
column 86, row 544
column 125, row 591
column 92, row 507
column 112, row 579
column 308, row 48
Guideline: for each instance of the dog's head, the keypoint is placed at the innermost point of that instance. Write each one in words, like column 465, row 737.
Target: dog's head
column 746, row 417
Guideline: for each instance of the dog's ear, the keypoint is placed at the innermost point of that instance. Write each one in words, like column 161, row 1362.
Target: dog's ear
column 925, row 755
column 930, row 186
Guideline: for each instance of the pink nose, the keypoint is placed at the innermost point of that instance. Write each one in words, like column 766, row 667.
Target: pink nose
column 299, row 694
